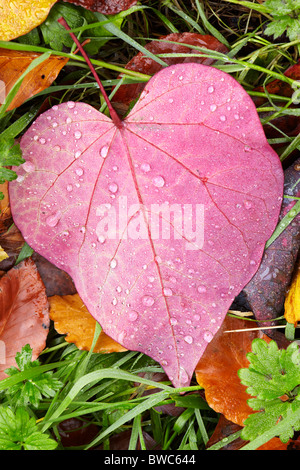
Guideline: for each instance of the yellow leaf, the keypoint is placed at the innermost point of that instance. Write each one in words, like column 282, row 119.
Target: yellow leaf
column 3, row 254
column 292, row 300
column 18, row 17
column 72, row 318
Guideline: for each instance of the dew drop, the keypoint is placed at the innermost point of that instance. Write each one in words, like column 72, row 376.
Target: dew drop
column 145, row 167
column 201, row 289
column 133, row 316
column 188, row 339
column 68, row 120
column 173, row 321
column 236, row 117
column 104, row 151
column 53, row 219
column 69, row 188
column 159, row 181
column 77, row 134
column 213, row 107
column 77, row 154
column 113, row 263
column 171, row 100
column 42, row 140
column 79, row 171
column 210, row 89
column 168, row 292
column 184, row 378
column 197, row 317
column 222, row 118
column 101, row 239
column 28, row 167
column 113, row 187
column 57, row 148
column 147, row 300
column 35, row 137
column 208, row 336
column 247, row 204
column 247, row 148
column 71, row 104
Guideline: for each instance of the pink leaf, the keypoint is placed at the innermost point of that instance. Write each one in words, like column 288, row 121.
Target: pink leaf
column 89, row 195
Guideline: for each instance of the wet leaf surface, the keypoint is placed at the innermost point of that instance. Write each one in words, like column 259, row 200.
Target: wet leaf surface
column 165, row 296
column 24, row 313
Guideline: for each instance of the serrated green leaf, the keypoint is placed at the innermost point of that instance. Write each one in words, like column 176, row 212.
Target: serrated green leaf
column 30, row 391
column 273, row 379
column 18, row 431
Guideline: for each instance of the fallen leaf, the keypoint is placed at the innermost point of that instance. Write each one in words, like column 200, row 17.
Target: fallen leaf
column 217, row 369
column 226, row 428
column 191, row 150
column 56, row 281
column 72, row 318
column 18, row 18
column 5, row 213
column 143, row 64
column 107, row 7
column 14, row 63
column 3, row 254
column 24, row 313
column 292, row 301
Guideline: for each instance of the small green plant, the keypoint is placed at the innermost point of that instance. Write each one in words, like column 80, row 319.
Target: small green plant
column 30, row 391
column 18, row 431
column 273, row 380
column 285, row 15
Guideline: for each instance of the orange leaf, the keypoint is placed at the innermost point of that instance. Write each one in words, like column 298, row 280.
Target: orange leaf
column 24, row 313
column 14, row 63
column 217, row 370
column 292, row 301
column 72, row 318
column 20, row 17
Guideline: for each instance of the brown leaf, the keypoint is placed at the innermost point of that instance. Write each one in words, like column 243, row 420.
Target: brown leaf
column 72, row 318
column 107, row 7
column 14, row 63
column 143, row 64
column 24, row 313
column 18, row 18
column 57, row 281
column 217, row 370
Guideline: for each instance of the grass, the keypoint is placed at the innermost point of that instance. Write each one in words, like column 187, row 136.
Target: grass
column 109, row 390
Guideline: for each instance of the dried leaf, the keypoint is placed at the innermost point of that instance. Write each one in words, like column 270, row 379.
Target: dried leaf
column 143, row 64
column 107, row 7
column 292, row 301
column 18, row 18
column 217, row 370
column 72, row 318
column 3, row 254
column 14, row 63
column 24, row 313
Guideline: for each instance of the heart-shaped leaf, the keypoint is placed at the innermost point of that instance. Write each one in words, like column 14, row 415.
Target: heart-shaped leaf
column 160, row 220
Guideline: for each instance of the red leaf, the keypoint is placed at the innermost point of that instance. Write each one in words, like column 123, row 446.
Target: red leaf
column 107, row 7
column 193, row 144
column 24, row 314
column 141, row 63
